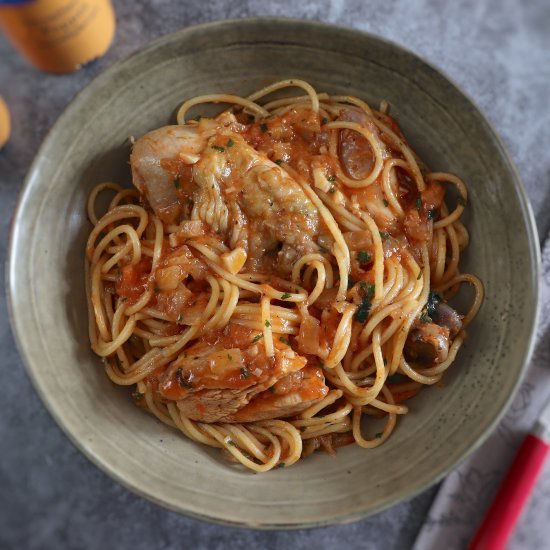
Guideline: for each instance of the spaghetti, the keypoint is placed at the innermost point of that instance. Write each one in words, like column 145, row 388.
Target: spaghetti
column 278, row 280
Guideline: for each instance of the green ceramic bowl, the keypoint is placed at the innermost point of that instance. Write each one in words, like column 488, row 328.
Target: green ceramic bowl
column 89, row 144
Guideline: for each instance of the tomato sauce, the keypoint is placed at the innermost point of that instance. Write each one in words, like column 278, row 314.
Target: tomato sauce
column 134, row 279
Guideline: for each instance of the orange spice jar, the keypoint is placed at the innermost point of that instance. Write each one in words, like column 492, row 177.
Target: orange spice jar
column 5, row 125
column 58, row 36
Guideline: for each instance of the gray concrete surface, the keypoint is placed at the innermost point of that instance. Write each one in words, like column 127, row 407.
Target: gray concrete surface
column 50, row 495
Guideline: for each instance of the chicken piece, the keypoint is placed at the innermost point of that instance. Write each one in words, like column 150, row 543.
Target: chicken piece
column 291, row 395
column 217, row 405
column 272, row 217
column 221, row 373
column 235, row 190
column 157, row 160
column 427, row 343
column 232, row 379
column 282, row 219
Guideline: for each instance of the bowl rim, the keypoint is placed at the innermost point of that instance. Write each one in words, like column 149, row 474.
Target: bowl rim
column 95, row 458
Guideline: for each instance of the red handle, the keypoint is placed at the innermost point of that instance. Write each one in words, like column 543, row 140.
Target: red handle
column 500, row 520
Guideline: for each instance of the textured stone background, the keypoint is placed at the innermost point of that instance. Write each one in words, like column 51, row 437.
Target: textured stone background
column 50, row 495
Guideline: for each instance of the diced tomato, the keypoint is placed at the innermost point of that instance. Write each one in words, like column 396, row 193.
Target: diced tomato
column 330, row 319
column 399, row 396
column 432, row 196
column 407, row 188
column 415, row 226
column 309, row 382
column 134, row 279
column 181, row 303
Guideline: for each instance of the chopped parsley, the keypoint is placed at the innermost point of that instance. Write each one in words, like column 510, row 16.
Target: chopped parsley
column 230, row 143
column 180, row 318
column 281, row 465
column 156, row 289
column 267, row 323
column 137, row 396
column 245, row 373
column 362, row 313
column 284, row 340
column 419, row 275
column 325, row 120
column 385, row 202
column 218, row 148
column 332, row 190
column 367, row 289
column 379, row 435
column 230, row 357
column 433, row 298
column 285, row 296
column 384, row 235
column 177, row 182
column 331, row 179
column 257, row 338
column 461, row 201
column 231, row 442
column 425, row 319
column 263, row 127
column 279, row 162
column 428, row 312
column 184, row 379
column 363, row 257
column 363, row 310
column 419, row 202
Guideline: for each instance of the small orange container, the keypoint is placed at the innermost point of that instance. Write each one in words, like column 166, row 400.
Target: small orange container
column 5, row 126
column 59, row 36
